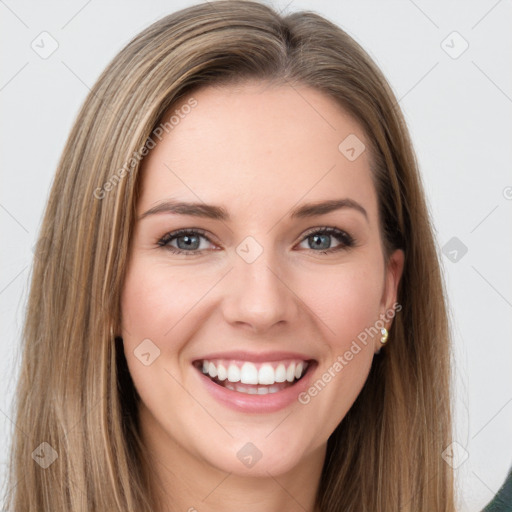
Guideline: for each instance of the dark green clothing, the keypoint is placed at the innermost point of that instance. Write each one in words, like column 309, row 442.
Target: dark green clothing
column 502, row 502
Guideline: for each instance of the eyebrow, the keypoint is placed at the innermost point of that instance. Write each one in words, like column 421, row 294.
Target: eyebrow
column 214, row 212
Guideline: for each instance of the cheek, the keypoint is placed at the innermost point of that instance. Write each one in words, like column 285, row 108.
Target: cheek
column 155, row 299
column 347, row 301
column 157, row 304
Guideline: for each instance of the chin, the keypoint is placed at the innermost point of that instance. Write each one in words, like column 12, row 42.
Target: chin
column 258, row 455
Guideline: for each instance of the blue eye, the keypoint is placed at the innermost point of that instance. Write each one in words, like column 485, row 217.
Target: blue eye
column 189, row 241
column 322, row 238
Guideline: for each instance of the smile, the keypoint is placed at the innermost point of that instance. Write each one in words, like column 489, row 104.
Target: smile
column 253, row 378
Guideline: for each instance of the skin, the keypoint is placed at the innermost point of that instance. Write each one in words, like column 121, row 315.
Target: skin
column 259, row 151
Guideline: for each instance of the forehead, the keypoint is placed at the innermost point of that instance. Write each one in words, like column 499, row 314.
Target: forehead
column 256, row 145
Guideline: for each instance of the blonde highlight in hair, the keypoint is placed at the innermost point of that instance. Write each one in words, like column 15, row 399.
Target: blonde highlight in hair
column 75, row 391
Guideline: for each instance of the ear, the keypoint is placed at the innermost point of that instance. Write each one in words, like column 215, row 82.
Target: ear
column 393, row 274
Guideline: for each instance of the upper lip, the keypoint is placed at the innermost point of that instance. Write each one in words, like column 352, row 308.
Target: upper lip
column 254, row 357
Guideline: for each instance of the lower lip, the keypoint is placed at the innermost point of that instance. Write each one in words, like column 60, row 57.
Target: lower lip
column 270, row 402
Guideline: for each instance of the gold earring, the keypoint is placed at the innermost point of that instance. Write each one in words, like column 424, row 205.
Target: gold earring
column 384, row 336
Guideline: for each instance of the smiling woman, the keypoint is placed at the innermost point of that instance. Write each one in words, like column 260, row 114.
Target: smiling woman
column 251, row 315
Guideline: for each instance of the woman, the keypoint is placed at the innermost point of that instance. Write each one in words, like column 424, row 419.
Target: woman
column 236, row 302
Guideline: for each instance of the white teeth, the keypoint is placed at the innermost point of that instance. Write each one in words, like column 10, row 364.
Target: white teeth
column 266, row 375
column 298, row 370
column 212, row 370
column 290, row 373
column 222, row 373
column 280, row 373
column 233, row 373
column 248, row 374
column 253, row 390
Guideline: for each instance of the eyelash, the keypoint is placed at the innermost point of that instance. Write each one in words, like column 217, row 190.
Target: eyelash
column 346, row 240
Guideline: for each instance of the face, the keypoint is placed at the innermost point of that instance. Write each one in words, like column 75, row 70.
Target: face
column 244, row 316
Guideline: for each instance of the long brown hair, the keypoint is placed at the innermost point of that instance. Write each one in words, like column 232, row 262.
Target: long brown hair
column 75, row 392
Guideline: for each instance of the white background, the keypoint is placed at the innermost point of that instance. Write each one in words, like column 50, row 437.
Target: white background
column 459, row 112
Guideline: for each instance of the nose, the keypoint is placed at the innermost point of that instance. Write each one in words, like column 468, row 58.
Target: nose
column 259, row 295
